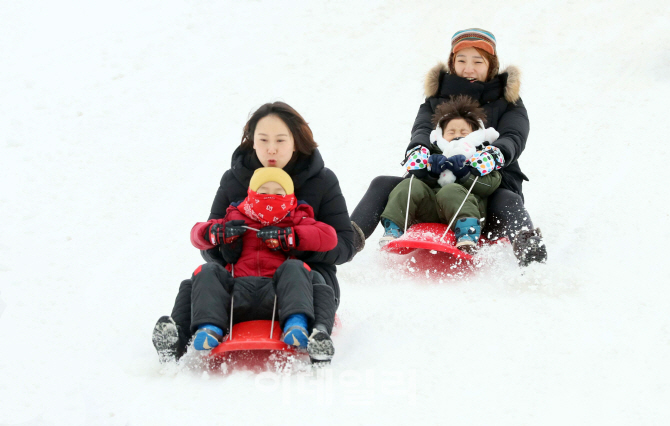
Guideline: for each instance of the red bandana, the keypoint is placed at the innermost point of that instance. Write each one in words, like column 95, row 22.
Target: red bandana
column 267, row 209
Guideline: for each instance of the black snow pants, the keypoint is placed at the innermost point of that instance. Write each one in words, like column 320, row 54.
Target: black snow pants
column 206, row 297
column 505, row 214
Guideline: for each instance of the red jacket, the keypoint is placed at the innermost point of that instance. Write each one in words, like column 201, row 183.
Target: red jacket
column 256, row 258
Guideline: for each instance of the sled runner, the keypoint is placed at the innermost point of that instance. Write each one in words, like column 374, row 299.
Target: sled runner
column 425, row 248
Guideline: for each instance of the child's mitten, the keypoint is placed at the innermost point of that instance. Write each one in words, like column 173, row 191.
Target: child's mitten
column 416, row 159
column 278, row 238
column 438, row 163
column 456, row 163
column 487, row 160
column 227, row 238
column 220, row 234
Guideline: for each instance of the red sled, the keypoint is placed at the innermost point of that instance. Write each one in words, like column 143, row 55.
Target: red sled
column 253, row 345
column 425, row 248
column 256, row 345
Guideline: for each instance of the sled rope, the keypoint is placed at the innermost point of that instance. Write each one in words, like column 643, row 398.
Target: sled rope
column 232, row 298
column 409, row 195
column 459, row 208
column 274, row 306
column 230, row 329
column 272, row 327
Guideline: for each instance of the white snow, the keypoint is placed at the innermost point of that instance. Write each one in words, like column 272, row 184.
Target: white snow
column 118, row 119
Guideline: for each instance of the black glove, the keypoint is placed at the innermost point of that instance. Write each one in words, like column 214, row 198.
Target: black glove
column 231, row 252
column 278, row 238
column 225, row 234
column 227, row 238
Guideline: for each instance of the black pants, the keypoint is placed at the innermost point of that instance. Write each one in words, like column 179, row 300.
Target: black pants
column 505, row 214
column 206, row 297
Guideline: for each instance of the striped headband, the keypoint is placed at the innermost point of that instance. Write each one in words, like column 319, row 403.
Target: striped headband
column 474, row 37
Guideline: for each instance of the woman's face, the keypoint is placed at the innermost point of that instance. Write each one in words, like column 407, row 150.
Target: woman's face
column 469, row 64
column 456, row 128
column 273, row 142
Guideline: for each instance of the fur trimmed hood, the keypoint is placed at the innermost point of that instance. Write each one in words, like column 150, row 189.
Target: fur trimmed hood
column 512, row 89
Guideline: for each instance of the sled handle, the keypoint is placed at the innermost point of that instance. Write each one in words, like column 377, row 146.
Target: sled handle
column 459, row 208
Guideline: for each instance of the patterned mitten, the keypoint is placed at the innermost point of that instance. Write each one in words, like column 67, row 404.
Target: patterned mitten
column 487, row 160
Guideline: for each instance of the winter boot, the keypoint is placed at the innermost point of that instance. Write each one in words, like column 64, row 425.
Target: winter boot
column 208, row 336
column 467, row 232
column 529, row 247
column 169, row 341
column 391, row 232
column 295, row 331
column 320, row 347
column 359, row 237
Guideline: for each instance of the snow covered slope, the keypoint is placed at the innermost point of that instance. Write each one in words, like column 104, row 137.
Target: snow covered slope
column 117, row 121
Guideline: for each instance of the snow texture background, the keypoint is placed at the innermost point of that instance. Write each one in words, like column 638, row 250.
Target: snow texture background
column 117, row 120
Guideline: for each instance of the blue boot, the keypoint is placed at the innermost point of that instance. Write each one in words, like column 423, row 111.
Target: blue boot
column 467, row 232
column 295, row 331
column 208, row 336
column 391, row 232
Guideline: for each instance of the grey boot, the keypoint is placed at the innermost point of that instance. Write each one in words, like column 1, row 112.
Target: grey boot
column 167, row 340
column 320, row 347
column 529, row 247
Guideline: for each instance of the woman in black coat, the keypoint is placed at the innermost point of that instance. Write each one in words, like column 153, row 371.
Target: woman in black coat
column 295, row 152
column 472, row 70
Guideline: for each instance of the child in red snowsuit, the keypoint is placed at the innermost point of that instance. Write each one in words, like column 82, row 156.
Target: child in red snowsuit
column 258, row 238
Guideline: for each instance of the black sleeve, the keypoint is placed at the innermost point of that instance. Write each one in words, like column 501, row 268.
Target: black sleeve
column 423, row 125
column 222, row 198
column 333, row 211
column 218, row 211
column 213, row 255
column 513, row 127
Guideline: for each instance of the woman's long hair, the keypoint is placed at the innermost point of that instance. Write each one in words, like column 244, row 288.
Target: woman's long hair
column 491, row 59
column 302, row 134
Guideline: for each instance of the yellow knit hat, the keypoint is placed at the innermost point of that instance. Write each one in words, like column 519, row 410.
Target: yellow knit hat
column 271, row 174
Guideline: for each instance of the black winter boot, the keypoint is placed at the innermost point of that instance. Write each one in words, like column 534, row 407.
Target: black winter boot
column 320, row 347
column 169, row 341
column 529, row 247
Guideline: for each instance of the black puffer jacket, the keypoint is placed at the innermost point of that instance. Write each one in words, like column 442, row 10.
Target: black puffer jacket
column 504, row 112
column 316, row 185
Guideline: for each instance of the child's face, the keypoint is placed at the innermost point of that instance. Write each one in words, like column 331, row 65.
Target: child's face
column 456, row 128
column 271, row 188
